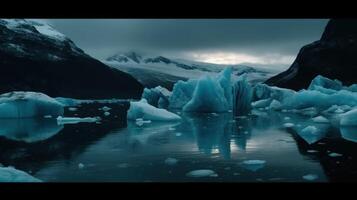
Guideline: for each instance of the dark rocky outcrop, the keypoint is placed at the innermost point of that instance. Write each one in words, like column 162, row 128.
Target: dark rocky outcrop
column 31, row 60
column 333, row 56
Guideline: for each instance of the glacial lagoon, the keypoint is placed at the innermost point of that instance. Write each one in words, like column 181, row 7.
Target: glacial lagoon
column 224, row 148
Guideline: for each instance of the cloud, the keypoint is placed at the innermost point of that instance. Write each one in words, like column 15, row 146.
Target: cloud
column 260, row 40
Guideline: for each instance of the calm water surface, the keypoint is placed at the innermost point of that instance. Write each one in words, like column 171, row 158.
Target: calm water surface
column 117, row 150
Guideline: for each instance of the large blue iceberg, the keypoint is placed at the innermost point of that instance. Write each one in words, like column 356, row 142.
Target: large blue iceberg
column 207, row 94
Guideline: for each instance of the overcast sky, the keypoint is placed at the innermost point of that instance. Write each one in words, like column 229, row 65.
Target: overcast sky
column 224, row 41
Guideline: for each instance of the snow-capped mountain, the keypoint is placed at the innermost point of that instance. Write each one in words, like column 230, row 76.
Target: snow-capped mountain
column 36, row 57
column 152, row 70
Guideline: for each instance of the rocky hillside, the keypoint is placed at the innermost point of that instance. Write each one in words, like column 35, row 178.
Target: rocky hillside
column 333, row 56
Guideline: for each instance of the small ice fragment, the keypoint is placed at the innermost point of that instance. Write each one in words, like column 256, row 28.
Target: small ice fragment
column 47, row 116
column 227, row 168
column 240, row 127
column 106, row 113
column 320, row 119
column 236, row 174
column 172, row 129
column 80, row 166
column 339, row 110
column 334, row 154
column 284, row 110
column 253, row 165
column 201, row 173
column 106, row 109
column 72, row 109
column 312, row 151
column 178, row 134
column 245, row 132
column 74, row 120
column 171, row 161
column 310, row 177
column 229, row 111
column 214, row 114
column 286, row 118
column 288, row 125
column 142, row 122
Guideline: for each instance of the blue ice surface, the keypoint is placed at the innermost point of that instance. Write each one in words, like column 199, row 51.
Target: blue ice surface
column 28, row 104
column 158, row 96
column 242, row 96
column 207, row 94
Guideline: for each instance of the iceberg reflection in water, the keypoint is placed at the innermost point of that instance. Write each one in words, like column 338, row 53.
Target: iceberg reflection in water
column 248, row 148
column 29, row 129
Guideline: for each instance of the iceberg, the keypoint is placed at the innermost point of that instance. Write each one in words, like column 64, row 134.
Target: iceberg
column 325, row 85
column 207, row 94
column 207, row 97
column 28, row 104
column 158, row 96
column 10, row 174
column 349, row 118
column 242, row 98
column 145, row 111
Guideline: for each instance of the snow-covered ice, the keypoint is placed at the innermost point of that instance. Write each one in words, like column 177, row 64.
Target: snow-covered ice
column 142, row 109
column 28, row 104
column 10, row 174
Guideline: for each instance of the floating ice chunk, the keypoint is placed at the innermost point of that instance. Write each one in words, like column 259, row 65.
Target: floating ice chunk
column 310, row 177
column 201, row 173
column 10, row 174
column 275, row 105
column 158, row 96
column 178, row 134
column 286, row 118
column 107, row 113
column 320, row 119
column 142, row 109
column 72, row 109
column 334, row 154
column 123, row 165
column 80, row 166
column 253, row 165
column 312, row 134
column 242, row 98
column 106, row 108
column 172, row 129
column 349, row 118
column 74, row 120
column 261, row 103
column 288, row 125
column 171, row 161
column 28, row 104
column 47, row 116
